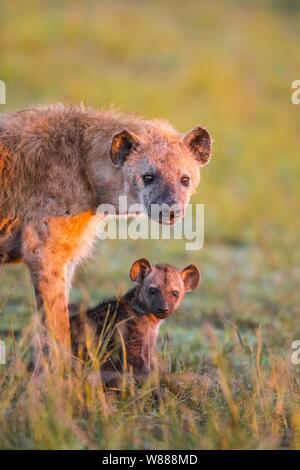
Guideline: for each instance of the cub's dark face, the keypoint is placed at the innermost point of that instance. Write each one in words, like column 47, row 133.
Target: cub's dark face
column 163, row 169
column 163, row 287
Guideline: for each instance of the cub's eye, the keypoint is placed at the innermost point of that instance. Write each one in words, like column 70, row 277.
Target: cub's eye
column 148, row 179
column 152, row 290
column 185, row 180
column 175, row 293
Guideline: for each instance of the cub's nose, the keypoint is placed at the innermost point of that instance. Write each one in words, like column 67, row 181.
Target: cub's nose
column 163, row 310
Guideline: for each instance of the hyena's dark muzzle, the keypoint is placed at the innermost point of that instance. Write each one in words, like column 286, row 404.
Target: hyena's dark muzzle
column 166, row 208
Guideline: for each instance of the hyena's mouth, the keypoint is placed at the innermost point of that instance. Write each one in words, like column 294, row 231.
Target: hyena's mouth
column 162, row 315
column 166, row 214
column 167, row 220
column 170, row 217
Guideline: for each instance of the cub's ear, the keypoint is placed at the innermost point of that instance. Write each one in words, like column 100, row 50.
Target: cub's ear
column 140, row 269
column 199, row 143
column 122, row 144
column 191, row 277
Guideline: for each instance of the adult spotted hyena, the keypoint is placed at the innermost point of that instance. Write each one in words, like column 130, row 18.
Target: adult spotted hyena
column 59, row 163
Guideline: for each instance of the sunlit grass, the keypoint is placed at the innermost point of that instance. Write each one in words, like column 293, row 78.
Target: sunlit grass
column 236, row 331
column 253, row 404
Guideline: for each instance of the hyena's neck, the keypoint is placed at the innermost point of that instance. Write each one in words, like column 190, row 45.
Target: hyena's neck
column 114, row 195
column 106, row 181
column 133, row 303
column 140, row 310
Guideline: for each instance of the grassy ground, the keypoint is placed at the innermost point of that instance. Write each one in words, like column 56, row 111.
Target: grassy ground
column 228, row 65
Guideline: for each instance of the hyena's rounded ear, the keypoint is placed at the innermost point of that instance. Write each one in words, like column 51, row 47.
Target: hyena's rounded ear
column 191, row 277
column 140, row 269
column 122, row 144
column 199, row 143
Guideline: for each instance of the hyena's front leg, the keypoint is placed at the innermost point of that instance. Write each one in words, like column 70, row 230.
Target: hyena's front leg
column 48, row 269
column 51, row 248
column 52, row 300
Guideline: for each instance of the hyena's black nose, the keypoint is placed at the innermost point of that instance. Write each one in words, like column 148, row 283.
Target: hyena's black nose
column 163, row 310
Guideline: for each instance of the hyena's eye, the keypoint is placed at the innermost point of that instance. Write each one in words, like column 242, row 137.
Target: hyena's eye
column 175, row 293
column 185, row 180
column 148, row 179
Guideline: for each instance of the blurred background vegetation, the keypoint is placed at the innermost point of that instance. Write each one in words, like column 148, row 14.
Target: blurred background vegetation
column 226, row 65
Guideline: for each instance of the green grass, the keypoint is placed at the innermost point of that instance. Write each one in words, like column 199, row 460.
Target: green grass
column 227, row 65
column 236, row 329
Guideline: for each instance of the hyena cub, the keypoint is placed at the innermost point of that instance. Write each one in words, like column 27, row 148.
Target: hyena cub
column 127, row 328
